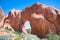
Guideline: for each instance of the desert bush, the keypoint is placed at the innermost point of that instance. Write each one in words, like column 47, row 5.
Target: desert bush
column 5, row 37
column 30, row 37
column 28, row 30
column 53, row 37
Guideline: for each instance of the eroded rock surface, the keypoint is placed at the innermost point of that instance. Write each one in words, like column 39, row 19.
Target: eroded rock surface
column 14, row 19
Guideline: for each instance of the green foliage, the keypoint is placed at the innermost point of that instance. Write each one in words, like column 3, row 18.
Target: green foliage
column 5, row 37
column 28, row 30
column 53, row 37
column 18, row 35
column 8, row 29
column 30, row 37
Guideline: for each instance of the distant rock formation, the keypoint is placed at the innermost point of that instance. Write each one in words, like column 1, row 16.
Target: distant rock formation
column 1, row 17
column 43, row 19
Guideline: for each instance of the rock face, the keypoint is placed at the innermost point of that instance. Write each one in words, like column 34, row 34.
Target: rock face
column 58, row 22
column 43, row 19
column 1, row 17
column 13, row 18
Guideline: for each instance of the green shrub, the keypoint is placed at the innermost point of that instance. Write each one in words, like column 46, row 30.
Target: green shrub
column 28, row 30
column 53, row 37
column 5, row 37
column 30, row 37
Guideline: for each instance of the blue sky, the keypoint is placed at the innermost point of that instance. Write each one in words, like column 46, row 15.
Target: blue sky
column 7, row 5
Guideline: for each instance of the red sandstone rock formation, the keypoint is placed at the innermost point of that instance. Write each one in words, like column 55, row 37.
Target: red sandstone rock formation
column 43, row 19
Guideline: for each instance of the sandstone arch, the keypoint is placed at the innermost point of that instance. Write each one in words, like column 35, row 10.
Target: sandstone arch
column 42, row 19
